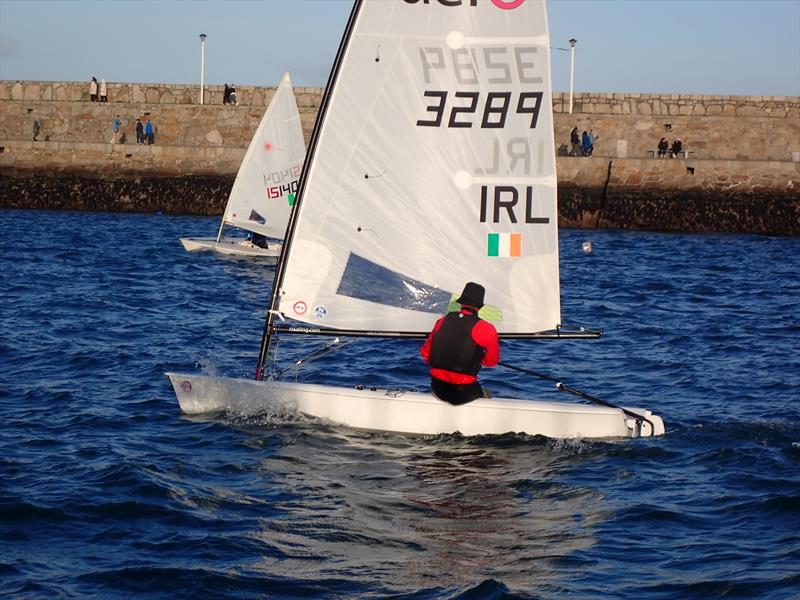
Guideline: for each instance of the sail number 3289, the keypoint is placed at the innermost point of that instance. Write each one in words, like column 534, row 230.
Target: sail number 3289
column 466, row 109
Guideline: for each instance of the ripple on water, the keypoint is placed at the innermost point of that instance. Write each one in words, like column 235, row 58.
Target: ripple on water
column 107, row 491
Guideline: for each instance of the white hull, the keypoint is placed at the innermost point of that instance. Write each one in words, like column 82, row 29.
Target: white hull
column 408, row 412
column 232, row 246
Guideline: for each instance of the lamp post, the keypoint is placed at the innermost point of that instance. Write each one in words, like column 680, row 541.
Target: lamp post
column 572, row 43
column 203, row 37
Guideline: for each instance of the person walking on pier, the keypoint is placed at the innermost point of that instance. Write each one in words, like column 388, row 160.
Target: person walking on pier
column 116, row 124
column 592, row 140
column 93, row 90
column 148, row 132
column 103, row 91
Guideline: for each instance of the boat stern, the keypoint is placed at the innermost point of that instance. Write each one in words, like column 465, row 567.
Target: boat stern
column 649, row 425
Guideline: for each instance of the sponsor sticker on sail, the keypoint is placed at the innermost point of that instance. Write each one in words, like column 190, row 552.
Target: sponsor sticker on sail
column 504, row 244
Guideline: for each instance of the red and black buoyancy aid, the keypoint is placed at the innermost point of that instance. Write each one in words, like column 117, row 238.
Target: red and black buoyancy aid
column 452, row 346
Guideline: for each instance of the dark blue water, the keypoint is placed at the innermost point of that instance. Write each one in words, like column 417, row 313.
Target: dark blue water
column 107, row 491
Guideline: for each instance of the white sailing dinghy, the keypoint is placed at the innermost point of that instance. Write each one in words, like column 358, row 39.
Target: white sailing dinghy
column 264, row 191
column 432, row 163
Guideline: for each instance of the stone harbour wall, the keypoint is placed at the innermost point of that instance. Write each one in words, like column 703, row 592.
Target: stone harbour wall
column 678, row 195
column 583, row 102
column 174, row 124
column 741, row 173
column 145, row 93
column 612, row 193
column 169, row 194
column 627, row 125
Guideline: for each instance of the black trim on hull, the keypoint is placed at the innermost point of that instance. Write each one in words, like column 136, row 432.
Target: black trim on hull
column 558, row 334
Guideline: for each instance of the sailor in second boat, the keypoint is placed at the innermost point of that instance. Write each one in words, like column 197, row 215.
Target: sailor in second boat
column 459, row 344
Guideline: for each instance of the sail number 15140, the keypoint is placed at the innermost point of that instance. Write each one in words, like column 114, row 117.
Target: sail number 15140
column 465, row 109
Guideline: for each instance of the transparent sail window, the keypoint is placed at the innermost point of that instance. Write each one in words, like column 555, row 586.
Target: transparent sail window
column 366, row 280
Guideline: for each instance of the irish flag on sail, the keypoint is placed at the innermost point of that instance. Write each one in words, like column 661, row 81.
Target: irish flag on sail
column 504, row 244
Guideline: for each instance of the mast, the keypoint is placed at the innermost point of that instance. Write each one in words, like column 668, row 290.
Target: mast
column 221, row 227
column 277, row 282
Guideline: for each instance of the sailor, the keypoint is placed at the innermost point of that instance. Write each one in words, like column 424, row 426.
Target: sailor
column 259, row 240
column 459, row 344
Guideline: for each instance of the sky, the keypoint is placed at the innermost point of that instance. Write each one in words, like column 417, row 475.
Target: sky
column 727, row 47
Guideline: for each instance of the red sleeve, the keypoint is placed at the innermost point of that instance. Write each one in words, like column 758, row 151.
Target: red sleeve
column 425, row 351
column 485, row 335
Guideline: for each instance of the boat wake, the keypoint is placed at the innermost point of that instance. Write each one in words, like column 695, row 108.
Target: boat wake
column 274, row 414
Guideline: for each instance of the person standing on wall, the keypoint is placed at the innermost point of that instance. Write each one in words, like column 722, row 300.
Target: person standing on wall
column 459, row 344
column 575, row 141
column 102, row 91
column 93, row 90
column 139, row 131
column 592, row 139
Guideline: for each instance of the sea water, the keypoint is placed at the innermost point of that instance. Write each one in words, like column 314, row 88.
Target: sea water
column 107, row 491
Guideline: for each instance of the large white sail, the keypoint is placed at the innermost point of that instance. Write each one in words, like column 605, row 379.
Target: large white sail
column 265, row 187
column 433, row 165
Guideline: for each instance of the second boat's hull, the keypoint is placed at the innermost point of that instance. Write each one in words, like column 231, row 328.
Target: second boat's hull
column 232, row 246
column 409, row 412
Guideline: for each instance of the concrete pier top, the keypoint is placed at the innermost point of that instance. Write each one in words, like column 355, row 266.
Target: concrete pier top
column 260, row 96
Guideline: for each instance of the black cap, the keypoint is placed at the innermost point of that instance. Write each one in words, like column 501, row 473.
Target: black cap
column 472, row 295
